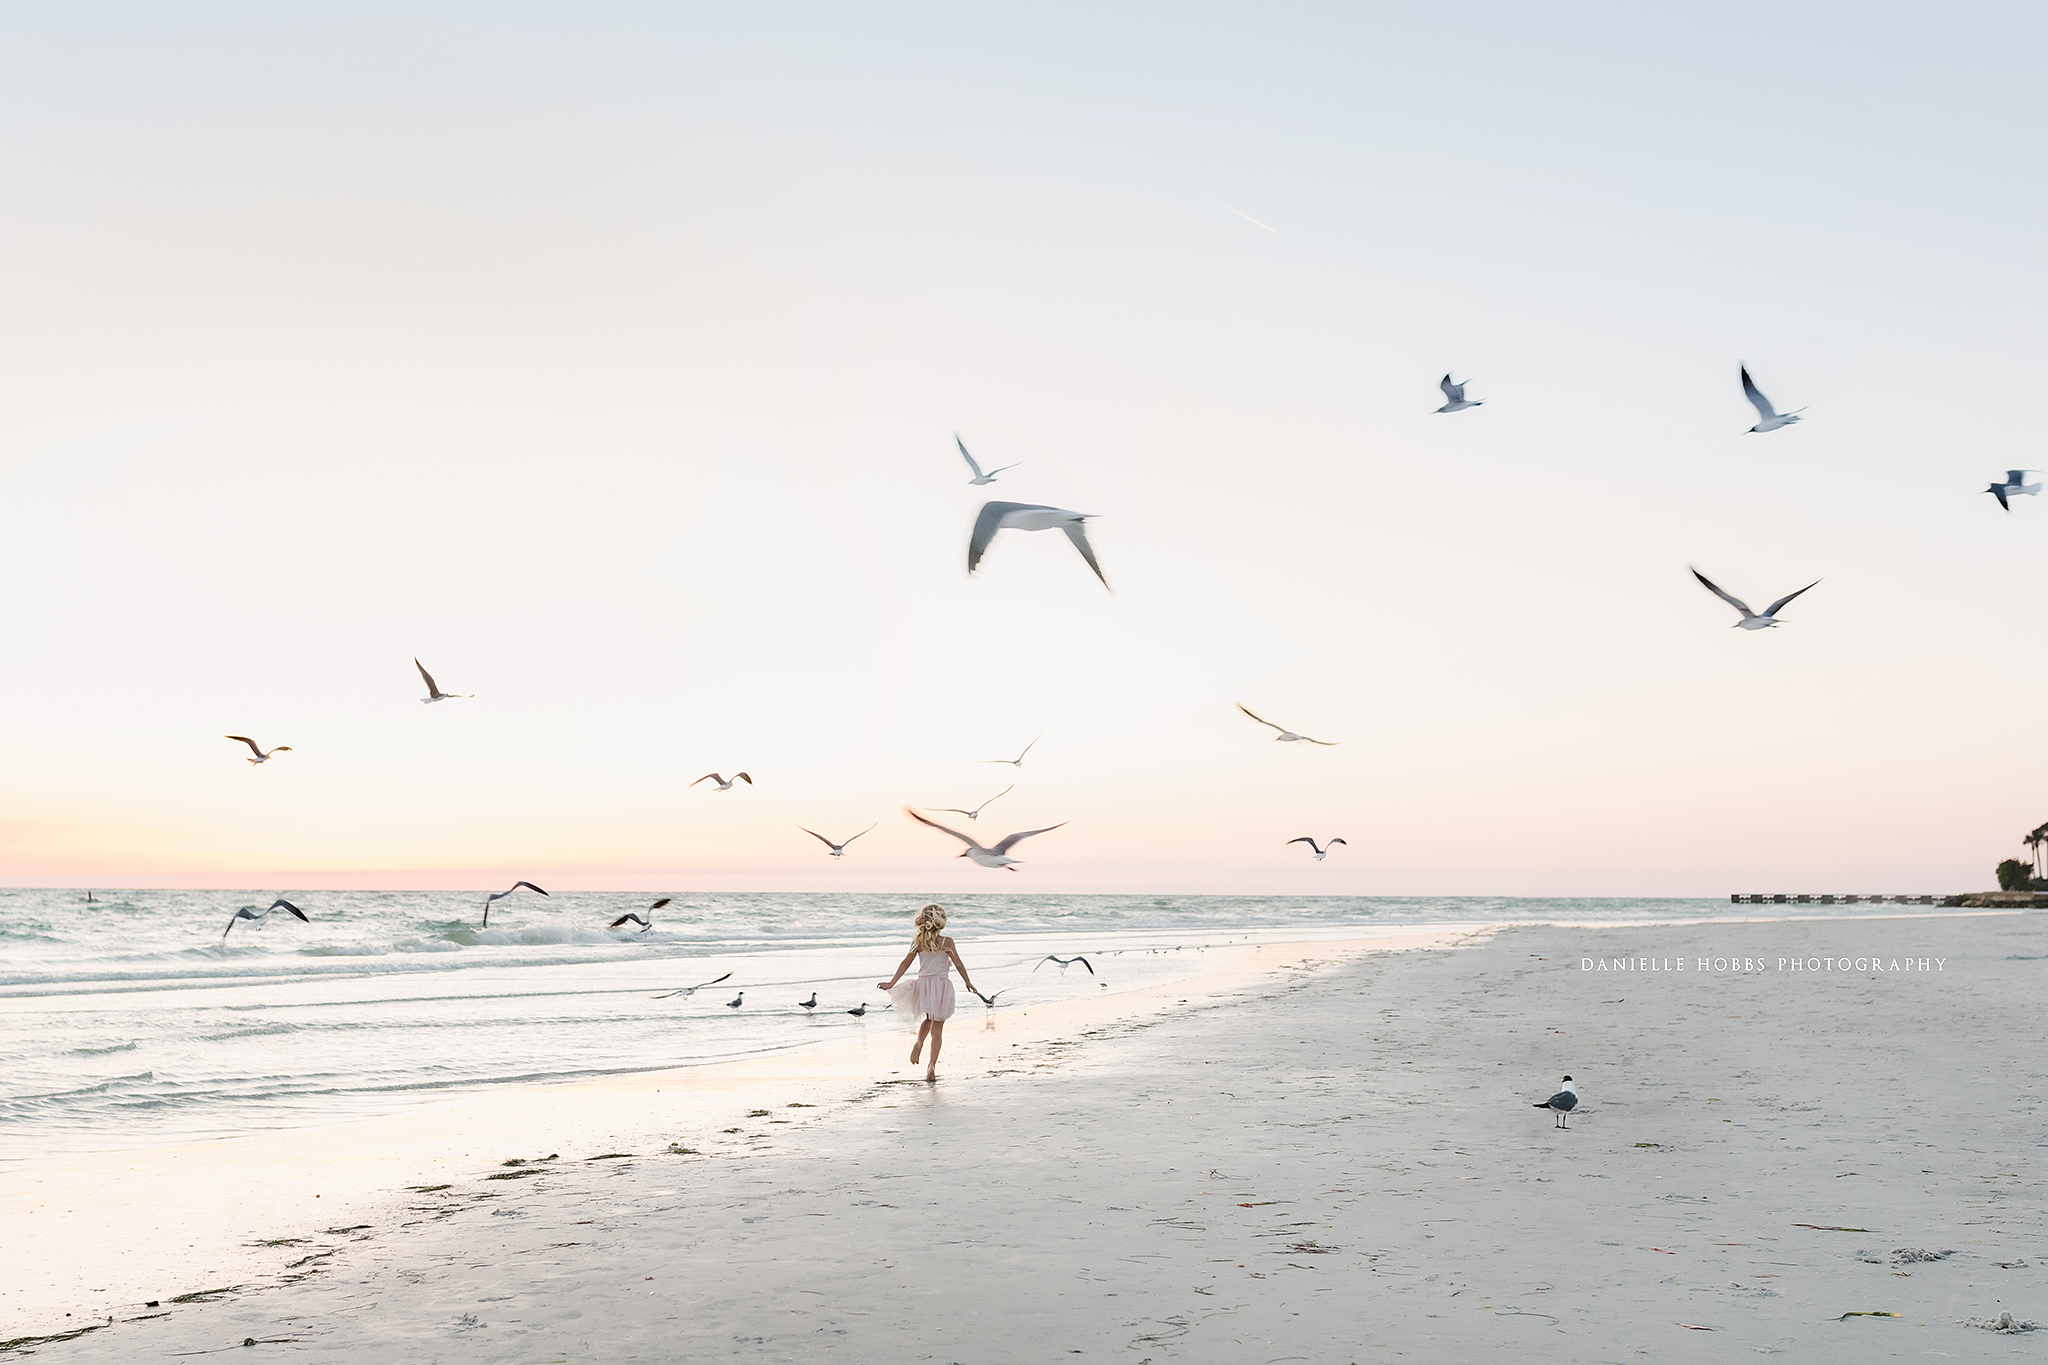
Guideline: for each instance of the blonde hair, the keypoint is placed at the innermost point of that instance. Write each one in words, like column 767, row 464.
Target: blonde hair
column 931, row 927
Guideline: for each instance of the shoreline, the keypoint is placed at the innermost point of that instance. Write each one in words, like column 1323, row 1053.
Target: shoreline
column 192, row 1217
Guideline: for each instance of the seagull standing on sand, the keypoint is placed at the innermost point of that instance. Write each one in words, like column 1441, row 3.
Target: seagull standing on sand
column 1288, row 736
column 1065, row 962
column 861, row 1011
column 734, row 1003
column 1768, row 418
column 1750, row 620
column 692, row 990
column 809, row 1004
column 1322, row 852
column 434, row 693
column 838, row 850
column 645, row 919
column 725, row 783
column 500, row 895
column 1562, row 1103
column 1025, row 516
column 1454, row 396
column 2015, row 483
column 257, row 918
column 1016, row 762
column 975, row 814
column 979, row 477
column 261, row 756
column 986, row 857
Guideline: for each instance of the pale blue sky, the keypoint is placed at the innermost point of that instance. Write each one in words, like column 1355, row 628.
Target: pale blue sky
column 608, row 357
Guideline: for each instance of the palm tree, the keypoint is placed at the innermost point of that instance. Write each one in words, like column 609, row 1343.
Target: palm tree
column 2035, row 840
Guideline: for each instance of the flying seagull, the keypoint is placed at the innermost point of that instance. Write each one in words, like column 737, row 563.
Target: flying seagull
column 975, row 814
column 1286, row 735
column 261, row 756
column 434, row 693
column 1016, row 762
column 1024, row 516
column 1454, row 396
column 257, row 918
column 985, row 857
column 2015, row 483
column 1770, row 419
column 1750, row 620
column 861, row 1011
column 725, row 783
column 979, row 477
column 1562, row 1103
column 734, row 1003
column 809, row 1004
column 838, row 850
column 990, row 1000
column 500, row 895
column 645, row 919
column 1065, row 962
column 692, row 990
column 1321, row 853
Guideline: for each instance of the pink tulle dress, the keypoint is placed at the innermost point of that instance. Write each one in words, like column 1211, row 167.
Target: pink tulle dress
column 929, row 994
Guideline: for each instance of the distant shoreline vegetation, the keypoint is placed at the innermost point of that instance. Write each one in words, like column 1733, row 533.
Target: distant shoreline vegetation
column 2016, row 875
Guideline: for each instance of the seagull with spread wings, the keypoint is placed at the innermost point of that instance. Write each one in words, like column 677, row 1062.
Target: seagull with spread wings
column 985, row 857
column 1016, row 762
column 838, row 850
column 645, row 918
column 975, row 814
column 261, row 755
column 2015, row 484
column 1287, row 736
column 979, row 477
column 1751, row 620
column 434, row 693
column 725, row 783
column 1064, row 963
column 1768, row 417
column 500, row 895
column 1321, row 852
column 692, row 990
column 1454, row 396
column 1025, row 516
column 257, row 917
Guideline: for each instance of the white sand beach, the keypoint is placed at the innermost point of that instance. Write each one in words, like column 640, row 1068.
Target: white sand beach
column 1333, row 1159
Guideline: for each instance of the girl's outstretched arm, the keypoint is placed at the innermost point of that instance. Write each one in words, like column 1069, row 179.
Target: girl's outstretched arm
column 953, row 952
column 901, row 968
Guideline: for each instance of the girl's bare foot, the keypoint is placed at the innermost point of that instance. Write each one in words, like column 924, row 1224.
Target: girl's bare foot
column 913, row 1053
column 931, row 1075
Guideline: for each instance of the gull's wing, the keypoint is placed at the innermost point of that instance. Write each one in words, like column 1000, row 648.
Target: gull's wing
column 1011, row 841
column 1772, row 610
column 1260, row 719
column 1756, row 399
column 1001, row 467
column 710, row 777
column 985, row 524
column 1335, row 842
column 1084, row 962
column 822, row 839
column 937, row 826
column 868, row 830
column 1304, row 839
column 431, row 689
column 965, row 456
column 1078, row 533
column 1731, row 600
column 1027, row 748
column 954, row 810
column 1001, row 794
column 282, row 904
column 248, row 741
column 622, row 919
column 1326, row 743
column 702, row 984
column 1997, row 490
column 528, row 885
column 742, row 777
column 657, row 905
column 231, row 925
column 2015, row 478
column 1453, row 393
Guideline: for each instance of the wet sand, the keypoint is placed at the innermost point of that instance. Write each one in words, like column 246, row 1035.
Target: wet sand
column 1336, row 1160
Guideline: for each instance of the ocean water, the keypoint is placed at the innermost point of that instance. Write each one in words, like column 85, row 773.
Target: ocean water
column 131, row 1021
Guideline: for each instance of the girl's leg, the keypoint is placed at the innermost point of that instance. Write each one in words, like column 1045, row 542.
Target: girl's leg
column 938, row 1028
column 922, row 1030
